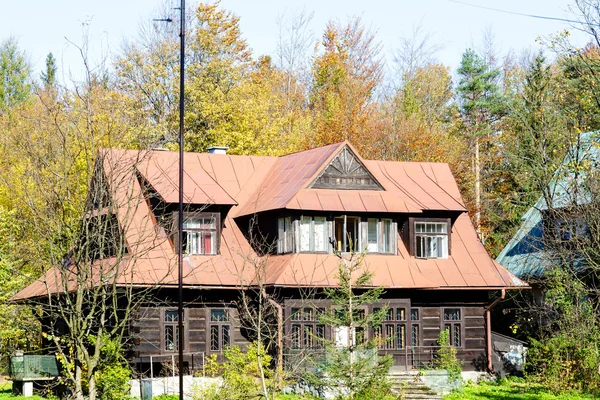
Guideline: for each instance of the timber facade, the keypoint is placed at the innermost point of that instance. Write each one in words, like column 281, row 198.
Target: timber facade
column 280, row 224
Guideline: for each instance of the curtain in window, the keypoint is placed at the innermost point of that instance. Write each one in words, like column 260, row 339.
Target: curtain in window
column 320, row 234
column 305, row 233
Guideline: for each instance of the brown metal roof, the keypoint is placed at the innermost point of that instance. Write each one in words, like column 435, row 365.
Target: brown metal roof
column 253, row 184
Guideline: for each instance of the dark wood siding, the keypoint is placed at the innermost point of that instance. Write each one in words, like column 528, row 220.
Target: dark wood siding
column 196, row 330
column 147, row 331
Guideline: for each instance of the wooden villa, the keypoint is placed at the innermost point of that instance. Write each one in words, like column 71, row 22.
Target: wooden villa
column 408, row 218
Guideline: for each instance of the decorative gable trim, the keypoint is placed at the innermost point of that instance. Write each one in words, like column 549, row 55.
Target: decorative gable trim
column 346, row 171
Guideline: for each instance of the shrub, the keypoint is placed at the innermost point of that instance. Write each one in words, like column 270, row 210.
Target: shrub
column 113, row 382
column 447, row 357
column 113, row 375
column 243, row 375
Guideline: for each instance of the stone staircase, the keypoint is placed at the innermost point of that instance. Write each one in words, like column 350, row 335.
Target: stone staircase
column 408, row 385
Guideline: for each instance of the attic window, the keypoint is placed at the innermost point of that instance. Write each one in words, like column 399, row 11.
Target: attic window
column 430, row 237
column 285, row 244
column 201, row 233
column 313, row 234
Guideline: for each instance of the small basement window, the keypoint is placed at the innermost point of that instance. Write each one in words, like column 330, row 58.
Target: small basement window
column 431, row 238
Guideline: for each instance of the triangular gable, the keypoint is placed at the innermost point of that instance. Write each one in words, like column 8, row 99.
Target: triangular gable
column 346, row 171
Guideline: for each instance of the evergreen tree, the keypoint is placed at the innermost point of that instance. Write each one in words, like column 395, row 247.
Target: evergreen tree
column 14, row 75
column 481, row 106
column 48, row 76
column 352, row 367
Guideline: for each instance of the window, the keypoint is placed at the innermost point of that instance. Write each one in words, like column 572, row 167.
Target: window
column 219, row 329
column 313, row 234
column 171, row 330
column 392, row 331
column 380, row 236
column 569, row 229
column 431, row 239
column 285, row 244
column 307, row 331
column 453, row 322
column 346, row 233
column 201, row 233
column 415, row 326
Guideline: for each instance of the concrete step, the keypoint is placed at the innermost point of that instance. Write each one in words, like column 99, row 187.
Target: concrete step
column 407, row 385
column 421, row 397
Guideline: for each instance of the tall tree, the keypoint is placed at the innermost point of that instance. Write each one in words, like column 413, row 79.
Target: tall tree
column 353, row 369
column 224, row 61
column 481, row 106
column 14, row 75
column 345, row 78
column 48, row 76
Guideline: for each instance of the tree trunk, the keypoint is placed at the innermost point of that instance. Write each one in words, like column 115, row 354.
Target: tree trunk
column 92, row 388
column 78, row 385
column 478, row 191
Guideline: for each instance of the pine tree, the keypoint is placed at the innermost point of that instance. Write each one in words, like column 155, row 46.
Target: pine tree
column 14, row 75
column 353, row 367
column 481, row 106
column 48, row 76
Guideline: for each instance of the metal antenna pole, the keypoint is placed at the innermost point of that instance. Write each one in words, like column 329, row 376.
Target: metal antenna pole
column 180, row 215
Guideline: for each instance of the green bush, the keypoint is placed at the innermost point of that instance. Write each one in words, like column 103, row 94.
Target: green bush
column 166, row 397
column 241, row 374
column 113, row 382
column 113, row 375
column 447, row 357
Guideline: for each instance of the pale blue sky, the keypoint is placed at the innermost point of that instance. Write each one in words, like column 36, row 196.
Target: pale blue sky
column 42, row 26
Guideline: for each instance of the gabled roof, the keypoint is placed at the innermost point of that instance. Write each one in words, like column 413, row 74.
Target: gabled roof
column 408, row 187
column 525, row 255
column 249, row 185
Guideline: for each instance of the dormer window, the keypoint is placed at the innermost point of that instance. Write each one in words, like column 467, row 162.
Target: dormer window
column 201, row 231
column 313, row 234
column 285, row 244
column 430, row 238
column 346, row 233
column 380, row 235
column 342, row 233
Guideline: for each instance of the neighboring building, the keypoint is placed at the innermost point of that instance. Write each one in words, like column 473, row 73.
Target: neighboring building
column 408, row 217
column 545, row 230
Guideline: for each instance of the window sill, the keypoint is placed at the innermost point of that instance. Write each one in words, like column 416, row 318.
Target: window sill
column 432, row 258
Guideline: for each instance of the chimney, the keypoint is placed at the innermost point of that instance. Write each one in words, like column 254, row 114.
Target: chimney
column 218, row 150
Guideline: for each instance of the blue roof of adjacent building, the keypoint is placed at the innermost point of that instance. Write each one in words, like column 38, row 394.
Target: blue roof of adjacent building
column 525, row 255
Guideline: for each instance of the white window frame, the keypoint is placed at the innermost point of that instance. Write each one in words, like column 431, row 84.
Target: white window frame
column 307, row 240
column 378, row 244
column 191, row 234
column 431, row 237
column 285, row 242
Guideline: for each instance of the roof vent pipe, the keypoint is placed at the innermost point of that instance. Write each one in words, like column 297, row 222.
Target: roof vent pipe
column 218, row 150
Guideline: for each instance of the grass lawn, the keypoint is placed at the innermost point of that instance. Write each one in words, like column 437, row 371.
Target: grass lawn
column 6, row 393
column 511, row 389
